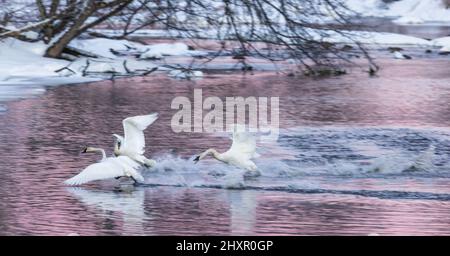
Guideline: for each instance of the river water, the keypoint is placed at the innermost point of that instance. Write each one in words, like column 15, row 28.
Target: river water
column 346, row 160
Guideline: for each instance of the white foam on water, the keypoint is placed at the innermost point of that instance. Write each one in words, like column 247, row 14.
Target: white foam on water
column 321, row 152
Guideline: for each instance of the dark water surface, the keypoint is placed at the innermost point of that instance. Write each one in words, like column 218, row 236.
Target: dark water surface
column 344, row 162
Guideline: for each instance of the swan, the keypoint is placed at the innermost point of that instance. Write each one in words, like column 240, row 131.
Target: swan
column 133, row 144
column 108, row 167
column 242, row 150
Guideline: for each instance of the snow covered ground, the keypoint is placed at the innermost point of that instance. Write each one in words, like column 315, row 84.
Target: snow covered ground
column 404, row 11
column 25, row 72
column 375, row 38
column 22, row 62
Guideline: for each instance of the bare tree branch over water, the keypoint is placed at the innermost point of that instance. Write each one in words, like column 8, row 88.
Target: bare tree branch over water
column 299, row 31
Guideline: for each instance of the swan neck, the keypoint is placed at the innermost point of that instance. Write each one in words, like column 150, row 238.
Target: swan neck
column 102, row 151
column 215, row 154
column 103, row 154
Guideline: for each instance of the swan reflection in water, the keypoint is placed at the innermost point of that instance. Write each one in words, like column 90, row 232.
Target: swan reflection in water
column 128, row 203
column 147, row 211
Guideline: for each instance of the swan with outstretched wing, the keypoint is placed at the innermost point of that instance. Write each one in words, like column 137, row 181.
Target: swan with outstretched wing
column 107, row 168
column 132, row 144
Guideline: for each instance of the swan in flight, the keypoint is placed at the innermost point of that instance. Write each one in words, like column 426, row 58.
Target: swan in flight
column 133, row 144
column 242, row 150
column 107, row 168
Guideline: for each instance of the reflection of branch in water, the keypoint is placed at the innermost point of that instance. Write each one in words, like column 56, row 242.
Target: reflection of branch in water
column 129, row 204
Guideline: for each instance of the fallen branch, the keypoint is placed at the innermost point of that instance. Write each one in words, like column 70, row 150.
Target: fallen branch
column 84, row 71
column 125, row 67
column 65, row 68
column 18, row 32
column 149, row 71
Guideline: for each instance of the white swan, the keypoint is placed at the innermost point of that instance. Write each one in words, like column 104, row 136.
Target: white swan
column 133, row 145
column 107, row 168
column 242, row 150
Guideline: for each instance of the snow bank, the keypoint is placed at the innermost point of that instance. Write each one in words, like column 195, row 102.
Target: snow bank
column 366, row 7
column 404, row 11
column 104, row 47
column 419, row 11
column 108, row 47
column 157, row 51
column 21, row 62
column 443, row 42
column 365, row 37
column 186, row 74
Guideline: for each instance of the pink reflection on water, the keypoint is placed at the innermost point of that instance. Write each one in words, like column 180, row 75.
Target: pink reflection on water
column 41, row 139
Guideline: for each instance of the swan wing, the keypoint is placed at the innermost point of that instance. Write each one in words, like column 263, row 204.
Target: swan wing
column 106, row 169
column 134, row 132
column 126, row 162
column 244, row 145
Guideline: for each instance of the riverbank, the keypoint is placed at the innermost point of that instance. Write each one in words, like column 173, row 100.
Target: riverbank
column 24, row 72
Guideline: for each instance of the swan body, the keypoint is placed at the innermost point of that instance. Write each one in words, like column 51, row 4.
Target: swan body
column 132, row 144
column 242, row 150
column 107, row 168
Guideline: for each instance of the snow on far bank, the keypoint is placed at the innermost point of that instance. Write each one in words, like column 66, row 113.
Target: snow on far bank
column 186, row 74
column 404, row 11
column 22, row 62
column 103, row 46
column 419, row 11
column 158, row 51
column 366, row 7
column 348, row 37
column 372, row 38
column 106, row 47
column 443, row 42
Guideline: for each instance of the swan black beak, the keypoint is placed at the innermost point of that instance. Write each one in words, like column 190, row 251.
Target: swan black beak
column 196, row 159
column 84, row 150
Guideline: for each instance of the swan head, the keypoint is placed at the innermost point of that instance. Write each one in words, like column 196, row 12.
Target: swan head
column 117, row 144
column 210, row 151
column 196, row 159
